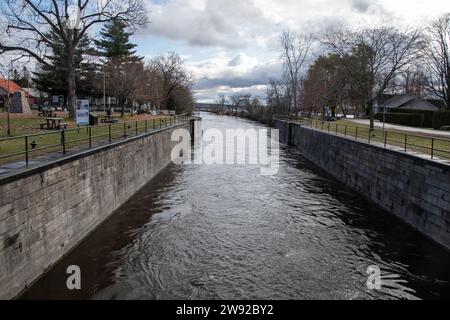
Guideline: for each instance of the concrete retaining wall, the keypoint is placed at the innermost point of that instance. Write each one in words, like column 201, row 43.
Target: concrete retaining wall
column 416, row 190
column 47, row 211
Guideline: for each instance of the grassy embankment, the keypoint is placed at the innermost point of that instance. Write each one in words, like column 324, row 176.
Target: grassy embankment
column 414, row 142
column 50, row 141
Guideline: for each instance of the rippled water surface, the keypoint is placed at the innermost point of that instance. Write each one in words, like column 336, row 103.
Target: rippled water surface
column 227, row 232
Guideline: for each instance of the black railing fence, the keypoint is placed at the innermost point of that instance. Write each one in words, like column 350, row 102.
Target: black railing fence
column 27, row 147
column 434, row 147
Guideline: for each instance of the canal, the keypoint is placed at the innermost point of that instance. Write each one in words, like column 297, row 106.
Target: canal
column 228, row 232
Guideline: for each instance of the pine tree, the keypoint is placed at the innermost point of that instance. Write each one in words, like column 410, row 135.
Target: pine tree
column 115, row 41
column 119, row 61
column 52, row 78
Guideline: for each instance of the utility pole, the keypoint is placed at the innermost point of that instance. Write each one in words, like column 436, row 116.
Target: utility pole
column 8, row 130
column 8, row 120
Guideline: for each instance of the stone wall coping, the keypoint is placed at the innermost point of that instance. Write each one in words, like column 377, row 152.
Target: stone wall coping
column 434, row 162
column 26, row 172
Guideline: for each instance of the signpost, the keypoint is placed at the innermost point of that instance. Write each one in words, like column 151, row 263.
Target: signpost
column 82, row 112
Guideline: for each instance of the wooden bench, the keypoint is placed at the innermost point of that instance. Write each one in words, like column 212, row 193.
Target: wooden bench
column 43, row 126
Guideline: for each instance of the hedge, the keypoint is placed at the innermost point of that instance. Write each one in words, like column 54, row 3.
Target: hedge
column 441, row 119
column 427, row 114
column 405, row 119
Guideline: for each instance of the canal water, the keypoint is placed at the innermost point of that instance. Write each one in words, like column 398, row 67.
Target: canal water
column 228, row 232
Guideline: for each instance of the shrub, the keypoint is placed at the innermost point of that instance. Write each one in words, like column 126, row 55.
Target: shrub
column 441, row 119
column 379, row 117
column 406, row 119
column 427, row 114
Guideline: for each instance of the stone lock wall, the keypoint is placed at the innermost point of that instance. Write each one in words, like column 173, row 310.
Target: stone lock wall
column 414, row 189
column 47, row 211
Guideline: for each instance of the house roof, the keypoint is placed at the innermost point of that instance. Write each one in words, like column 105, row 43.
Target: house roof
column 405, row 101
column 418, row 104
column 398, row 101
column 437, row 103
column 13, row 87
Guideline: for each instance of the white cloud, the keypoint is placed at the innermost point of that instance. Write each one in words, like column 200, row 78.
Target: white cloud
column 243, row 34
column 205, row 22
column 228, row 75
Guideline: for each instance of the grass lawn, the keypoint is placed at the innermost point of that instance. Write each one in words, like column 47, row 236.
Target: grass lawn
column 419, row 143
column 46, row 141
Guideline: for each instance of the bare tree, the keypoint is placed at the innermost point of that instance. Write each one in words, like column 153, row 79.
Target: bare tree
column 221, row 101
column 172, row 74
column 26, row 24
column 239, row 100
column 413, row 81
column 437, row 51
column 125, row 79
column 295, row 51
column 372, row 57
column 278, row 97
column 154, row 79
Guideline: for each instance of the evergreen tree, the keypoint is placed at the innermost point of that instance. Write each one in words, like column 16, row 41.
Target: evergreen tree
column 115, row 42
column 120, row 63
column 52, row 78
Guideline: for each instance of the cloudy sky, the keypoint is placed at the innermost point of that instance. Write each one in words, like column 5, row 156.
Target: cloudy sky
column 231, row 46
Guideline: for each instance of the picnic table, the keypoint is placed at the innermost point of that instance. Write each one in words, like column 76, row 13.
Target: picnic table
column 110, row 118
column 54, row 123
column 47, row 114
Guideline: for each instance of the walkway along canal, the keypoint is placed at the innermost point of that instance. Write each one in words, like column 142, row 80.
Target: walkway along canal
column 228, row 232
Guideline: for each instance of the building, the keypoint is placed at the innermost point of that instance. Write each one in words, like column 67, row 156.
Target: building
column 34, row 96
column 13, row 88
column 405, row 101
column 439, row 103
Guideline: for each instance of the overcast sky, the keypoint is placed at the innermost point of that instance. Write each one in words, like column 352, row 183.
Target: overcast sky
column 232, row 45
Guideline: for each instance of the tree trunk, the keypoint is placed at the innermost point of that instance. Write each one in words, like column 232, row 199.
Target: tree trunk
column 71, row 83
column 343, row 111
column 372, row 116
column 447, row 94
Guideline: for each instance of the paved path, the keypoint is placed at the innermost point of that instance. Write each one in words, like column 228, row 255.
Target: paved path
column 419, row 131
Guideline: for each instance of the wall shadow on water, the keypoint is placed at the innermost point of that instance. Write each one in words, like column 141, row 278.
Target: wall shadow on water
column 96, row 255
column 391, row 241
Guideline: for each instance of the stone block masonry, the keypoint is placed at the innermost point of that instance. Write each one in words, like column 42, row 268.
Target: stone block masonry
column 414, row 189
column 47, row 211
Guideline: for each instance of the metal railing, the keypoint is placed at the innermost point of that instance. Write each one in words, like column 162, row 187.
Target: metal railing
column 434, row 147
column 27, row 147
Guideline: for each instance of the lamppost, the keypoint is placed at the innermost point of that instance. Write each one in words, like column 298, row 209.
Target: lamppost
column 104, row 91
column 8, row 130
